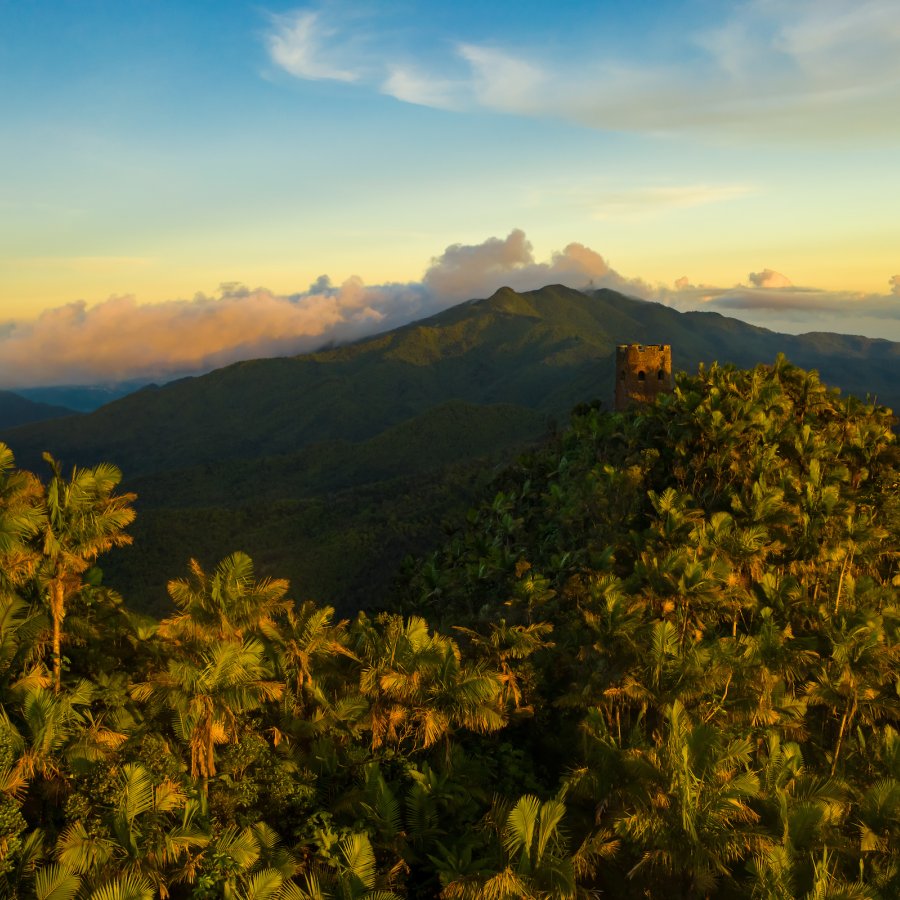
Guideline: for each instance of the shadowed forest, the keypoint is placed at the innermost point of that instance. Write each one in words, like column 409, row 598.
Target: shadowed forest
column 659, row 658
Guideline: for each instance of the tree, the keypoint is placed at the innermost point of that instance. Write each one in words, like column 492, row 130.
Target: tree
column 208, row 693
column 84, row 518
column 227, row 606
column 530, row 863
column 417, row 685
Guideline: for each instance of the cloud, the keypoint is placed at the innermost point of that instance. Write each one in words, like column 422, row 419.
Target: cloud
column 768, row 278
column 298, row 42
column 802, row 69
column 894, row 282
column 465, row 271
column 500, row 80
column 120, row 339
column 773, row 302
column 407, row 84
column 638, row 203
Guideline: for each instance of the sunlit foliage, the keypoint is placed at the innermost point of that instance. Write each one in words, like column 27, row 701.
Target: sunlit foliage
column 660, row 660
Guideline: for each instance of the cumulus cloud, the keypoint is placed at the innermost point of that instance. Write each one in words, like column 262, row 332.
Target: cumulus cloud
column 768, row 278
column 799, row 69
column 121, row 339
column 465, row 271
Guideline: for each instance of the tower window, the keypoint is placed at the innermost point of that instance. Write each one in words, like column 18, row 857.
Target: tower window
column 641, row 375
column 661, row 374
column 622, row 375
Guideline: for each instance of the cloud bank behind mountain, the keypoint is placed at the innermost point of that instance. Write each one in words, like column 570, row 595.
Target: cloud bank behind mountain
column 121, row 339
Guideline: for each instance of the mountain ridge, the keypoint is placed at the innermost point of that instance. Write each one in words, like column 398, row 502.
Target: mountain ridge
column 544, row 350
column 352, row 442
column 17, row 410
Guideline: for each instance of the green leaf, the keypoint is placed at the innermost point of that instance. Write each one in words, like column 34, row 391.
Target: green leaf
column 56, row 882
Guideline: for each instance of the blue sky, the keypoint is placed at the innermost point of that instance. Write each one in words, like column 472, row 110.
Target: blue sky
column 151, row 152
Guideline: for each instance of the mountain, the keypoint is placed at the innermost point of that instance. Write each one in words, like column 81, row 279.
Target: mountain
column 544, row 350
column 17, row 410
column 327, row 467
column 81, row 398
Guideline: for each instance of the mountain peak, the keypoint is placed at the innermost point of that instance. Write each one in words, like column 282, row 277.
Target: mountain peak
column 506, row 300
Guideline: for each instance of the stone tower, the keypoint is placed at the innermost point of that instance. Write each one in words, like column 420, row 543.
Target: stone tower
column 642, row 372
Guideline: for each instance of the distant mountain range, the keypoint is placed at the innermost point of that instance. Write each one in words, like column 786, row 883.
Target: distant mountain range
column 17, row 410
column 328, row 467
column 80, row 398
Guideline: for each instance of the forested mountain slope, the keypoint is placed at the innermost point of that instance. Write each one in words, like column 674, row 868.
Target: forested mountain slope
column 544, row 350
column 658, row 659
column 17, row 410
column 341, row 447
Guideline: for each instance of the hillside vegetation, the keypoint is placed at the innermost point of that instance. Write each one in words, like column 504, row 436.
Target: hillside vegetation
column 338, row 447
column 658, row 660
column 16, row 410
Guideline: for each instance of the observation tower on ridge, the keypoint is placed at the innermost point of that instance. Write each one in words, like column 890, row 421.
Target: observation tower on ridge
column 643, row 372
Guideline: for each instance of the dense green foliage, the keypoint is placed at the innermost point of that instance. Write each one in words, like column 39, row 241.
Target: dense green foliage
column 660, row 660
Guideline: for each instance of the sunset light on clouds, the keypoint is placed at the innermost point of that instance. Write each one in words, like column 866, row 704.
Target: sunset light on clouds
column 737, row 157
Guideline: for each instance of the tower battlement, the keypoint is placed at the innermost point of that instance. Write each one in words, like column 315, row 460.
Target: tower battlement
column 643, row 371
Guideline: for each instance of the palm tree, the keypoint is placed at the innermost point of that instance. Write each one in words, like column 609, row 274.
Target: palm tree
column 208, row 692
column 417, row 685
column 689, row 810
column 147, row 833
column 229, row 605
column 352, row 874
column 531, row 864
column 307, row 643
column 505, row 649
column 84, row 519
column 857, row 682
column 21, row 515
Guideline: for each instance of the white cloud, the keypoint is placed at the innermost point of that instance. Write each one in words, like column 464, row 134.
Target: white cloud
column 773, row 302
column 800, row 69
column 411, row 86
column 500, row 81
column 477, row 270
column 894, row 282
column 298, row 43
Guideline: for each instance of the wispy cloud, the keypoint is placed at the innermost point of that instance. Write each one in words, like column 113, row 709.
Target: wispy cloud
column 772, row 301
column 412, row 86
column 120, row 339
column 641, row 202
column 803, row 69
column 302, row 44
column 501, row 81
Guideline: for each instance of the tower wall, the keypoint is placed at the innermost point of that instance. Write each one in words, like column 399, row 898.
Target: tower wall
column 643, row 371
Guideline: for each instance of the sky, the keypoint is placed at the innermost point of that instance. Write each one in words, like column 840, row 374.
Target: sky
column 186, row 184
